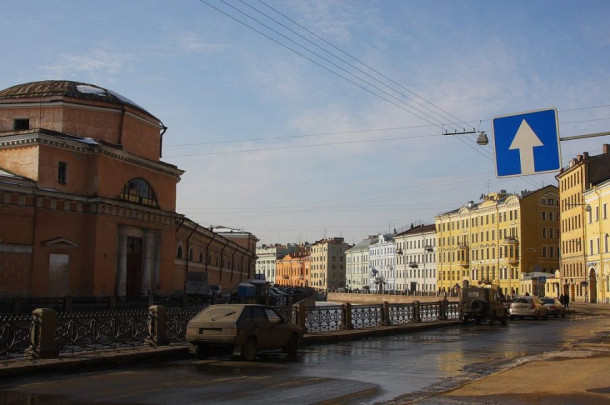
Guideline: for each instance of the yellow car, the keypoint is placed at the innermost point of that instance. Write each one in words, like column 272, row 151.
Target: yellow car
column 248, row 328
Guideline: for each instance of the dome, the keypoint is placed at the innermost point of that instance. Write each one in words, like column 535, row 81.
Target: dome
column 68, row 88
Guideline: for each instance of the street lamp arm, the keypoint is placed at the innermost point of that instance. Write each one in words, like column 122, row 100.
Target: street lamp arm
column 595, row 135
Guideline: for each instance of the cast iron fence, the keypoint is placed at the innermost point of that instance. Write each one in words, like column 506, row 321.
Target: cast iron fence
column 102, row 330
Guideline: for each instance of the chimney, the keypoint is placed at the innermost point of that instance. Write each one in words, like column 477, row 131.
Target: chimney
column 606, row 148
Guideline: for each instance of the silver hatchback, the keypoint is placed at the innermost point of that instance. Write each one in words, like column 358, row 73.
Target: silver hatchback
column 527, row 306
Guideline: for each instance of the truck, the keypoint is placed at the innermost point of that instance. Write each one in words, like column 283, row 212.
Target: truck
column 482, row 303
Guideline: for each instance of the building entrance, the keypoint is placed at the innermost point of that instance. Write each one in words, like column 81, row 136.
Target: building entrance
column 134, row 266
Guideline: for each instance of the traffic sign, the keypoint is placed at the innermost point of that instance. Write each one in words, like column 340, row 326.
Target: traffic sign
column 527, row 143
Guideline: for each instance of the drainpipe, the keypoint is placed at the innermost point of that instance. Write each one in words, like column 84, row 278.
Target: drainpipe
column 207, row 247
column 222, row 259
column 163, row 131
column 233, row 263
column 188, row 244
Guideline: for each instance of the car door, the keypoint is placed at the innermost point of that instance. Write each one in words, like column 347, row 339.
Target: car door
column 260, row 327
column 278, row 329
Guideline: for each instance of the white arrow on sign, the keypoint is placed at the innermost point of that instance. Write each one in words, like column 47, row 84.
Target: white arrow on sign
column 526, row 140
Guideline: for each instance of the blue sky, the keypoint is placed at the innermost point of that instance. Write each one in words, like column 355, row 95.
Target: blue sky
column 299, row 147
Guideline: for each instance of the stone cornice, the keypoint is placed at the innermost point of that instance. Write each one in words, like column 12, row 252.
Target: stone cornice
column 82, row 145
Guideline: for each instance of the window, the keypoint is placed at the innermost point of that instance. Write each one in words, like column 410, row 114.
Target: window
column 62, row 173
column 20, row 124
column 137, row 190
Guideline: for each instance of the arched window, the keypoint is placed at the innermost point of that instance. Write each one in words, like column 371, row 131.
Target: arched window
column 137, row 190
column 179, row 252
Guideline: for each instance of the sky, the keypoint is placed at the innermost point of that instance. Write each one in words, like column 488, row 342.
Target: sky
column 301, row 120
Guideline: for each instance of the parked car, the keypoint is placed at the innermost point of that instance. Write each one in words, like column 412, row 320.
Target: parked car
column 482, row 303
column 248, row 328
column 554, row 307
column 215, row 290
column 527, row 306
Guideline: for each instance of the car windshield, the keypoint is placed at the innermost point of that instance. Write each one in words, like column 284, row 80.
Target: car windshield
column 219, row 313
column 548, row 300
column 521, row 300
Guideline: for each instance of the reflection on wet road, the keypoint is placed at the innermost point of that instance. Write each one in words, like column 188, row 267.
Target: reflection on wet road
column 359, row 372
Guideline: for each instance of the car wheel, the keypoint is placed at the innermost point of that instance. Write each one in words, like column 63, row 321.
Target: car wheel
column 248, row 350
column 202, row 351
column 292, row 345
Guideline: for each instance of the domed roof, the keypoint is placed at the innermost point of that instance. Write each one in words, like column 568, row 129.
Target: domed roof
column 68, row 88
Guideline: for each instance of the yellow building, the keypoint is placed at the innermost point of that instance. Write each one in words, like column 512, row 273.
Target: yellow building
column 583, row 173
column 498, row 239
column 597, row 229
column 328, row 264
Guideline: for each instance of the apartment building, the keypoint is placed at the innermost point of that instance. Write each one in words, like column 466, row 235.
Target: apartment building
column 294, row 269
column 582, row 176
column 597, row 240
column 357, row 265
column 499, row 239
column 328, row 263
column 382, row 263
column 416, row 259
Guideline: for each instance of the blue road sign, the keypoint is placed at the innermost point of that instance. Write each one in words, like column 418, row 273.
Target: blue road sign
column 527, row 143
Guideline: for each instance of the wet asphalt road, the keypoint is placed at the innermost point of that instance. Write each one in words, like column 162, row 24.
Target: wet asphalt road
column 410, row 366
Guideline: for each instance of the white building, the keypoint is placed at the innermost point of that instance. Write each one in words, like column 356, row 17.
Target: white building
column 357, row 265
column 266, row 257
column 382, row 264
column 416, row 259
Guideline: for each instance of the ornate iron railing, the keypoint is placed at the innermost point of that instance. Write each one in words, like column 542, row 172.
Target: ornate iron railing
column 366, row 316
column 15, row 332
column 288, row 313
column 401, row 314
column 324, row 318
column 101, row 330
column 429, row 311
column 177, row 321
column 453, row 310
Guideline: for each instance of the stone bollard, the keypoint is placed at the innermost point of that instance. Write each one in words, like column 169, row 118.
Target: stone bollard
column 416, row 311
column 42, row 335
column 347, row 316
column 385, row 314
column 157, row 326
column 301, row 316
column 442, row 314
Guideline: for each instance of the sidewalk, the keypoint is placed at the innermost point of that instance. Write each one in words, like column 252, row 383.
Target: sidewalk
column 576, row 376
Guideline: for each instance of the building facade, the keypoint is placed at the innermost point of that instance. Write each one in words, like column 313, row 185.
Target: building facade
column 416, row 260
column 294, row 269
column 499, row 239
column 88, row 208
column 382, row 263
column 357, row 265
column 583, row 173
column 328, row 264
column 597, row 240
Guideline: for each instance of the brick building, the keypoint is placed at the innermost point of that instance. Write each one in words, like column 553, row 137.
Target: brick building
column 87, row 207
